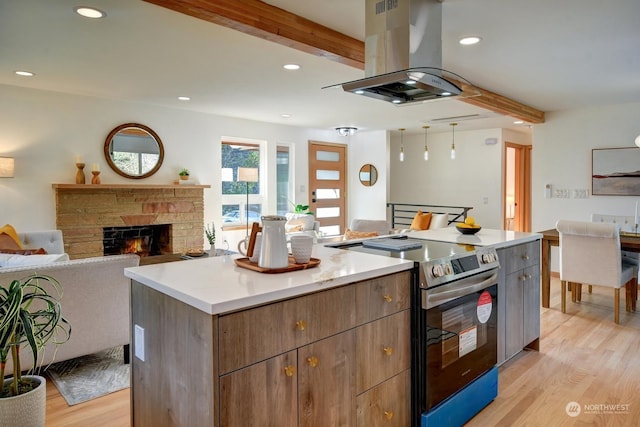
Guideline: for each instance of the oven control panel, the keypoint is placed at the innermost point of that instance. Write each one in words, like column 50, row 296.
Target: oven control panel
column 443, row 270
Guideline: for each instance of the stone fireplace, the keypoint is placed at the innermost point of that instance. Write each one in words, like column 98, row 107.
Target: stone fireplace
column 83, row 211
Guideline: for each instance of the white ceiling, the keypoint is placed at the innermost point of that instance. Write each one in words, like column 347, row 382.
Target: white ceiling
column 548, row 54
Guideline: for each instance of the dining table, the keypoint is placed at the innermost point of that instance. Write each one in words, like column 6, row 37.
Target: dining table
column 628, row 242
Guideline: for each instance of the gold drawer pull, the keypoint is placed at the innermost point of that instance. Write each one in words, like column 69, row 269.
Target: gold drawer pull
column 388, row 414
column 301, row 325
column 289, row 370
column 388, row 350
column 525, row 256
column 313, row 361
column 388, row 298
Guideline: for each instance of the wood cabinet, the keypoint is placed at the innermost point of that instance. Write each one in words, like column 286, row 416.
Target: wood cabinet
column 518, row 299
column 339, row 357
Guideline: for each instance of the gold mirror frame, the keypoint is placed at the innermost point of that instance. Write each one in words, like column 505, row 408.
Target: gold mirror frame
column 368, row 175
column 153, row 144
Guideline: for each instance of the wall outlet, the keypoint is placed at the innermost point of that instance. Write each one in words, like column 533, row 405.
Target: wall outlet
column 580, row 194
column 560, row 193
column 138, row 349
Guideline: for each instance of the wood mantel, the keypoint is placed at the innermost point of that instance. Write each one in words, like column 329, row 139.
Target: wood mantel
column 125, row 186
column 84, row 210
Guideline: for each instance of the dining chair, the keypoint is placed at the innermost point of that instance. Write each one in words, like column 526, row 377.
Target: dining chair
column 590, row 254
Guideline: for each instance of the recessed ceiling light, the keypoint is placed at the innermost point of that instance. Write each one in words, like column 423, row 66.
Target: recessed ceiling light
column 470, row 40
column 25, row 73
column 184, row 98
column 286, row 116
column 291, row 67
column 518, row 122
column 89, row 12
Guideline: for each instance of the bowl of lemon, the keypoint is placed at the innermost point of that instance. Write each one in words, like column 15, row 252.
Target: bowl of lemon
column 469, row 226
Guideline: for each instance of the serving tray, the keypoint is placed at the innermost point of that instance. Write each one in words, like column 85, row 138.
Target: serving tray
column 245, row 263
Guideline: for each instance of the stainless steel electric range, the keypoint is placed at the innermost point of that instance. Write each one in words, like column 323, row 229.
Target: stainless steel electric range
column 454, row 325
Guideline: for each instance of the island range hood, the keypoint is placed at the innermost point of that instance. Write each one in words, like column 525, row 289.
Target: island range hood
column 403, row 53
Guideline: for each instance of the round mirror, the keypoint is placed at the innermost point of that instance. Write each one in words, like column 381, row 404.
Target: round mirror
column 134, row 151
column 368, row 175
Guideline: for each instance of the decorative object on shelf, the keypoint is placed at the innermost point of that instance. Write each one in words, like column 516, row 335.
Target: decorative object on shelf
column 346, row 130
column 95, row 171
column 184, row 174
column 401, row 157
column 80, row 179
column 7, row 167
column 31, row 315
column 453, row 140
column 134, row 151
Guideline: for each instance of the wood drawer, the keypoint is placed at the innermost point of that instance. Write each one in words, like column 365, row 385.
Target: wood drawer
column 387, row 405
column 521, row 256
column 382, row 350
column 382, row 296
column 256, row 334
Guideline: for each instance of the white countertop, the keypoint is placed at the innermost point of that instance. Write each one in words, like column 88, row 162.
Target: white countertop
column 217, row 285
column 484, row 237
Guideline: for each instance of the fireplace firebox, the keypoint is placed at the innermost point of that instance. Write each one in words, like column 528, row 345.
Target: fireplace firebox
column 145, row 240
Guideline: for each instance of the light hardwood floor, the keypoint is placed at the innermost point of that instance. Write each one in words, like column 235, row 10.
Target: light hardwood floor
column 584, row 357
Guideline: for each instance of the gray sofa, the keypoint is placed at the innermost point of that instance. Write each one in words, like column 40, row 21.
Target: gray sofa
column 95, row 300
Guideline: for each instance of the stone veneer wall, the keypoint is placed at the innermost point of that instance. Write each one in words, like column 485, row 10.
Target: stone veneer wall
column 83, row 210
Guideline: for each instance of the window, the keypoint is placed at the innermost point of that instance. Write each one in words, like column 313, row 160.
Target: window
column 241, row 187
column 283, row 168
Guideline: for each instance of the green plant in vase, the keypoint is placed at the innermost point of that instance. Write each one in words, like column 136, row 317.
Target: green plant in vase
column 184, row 173
column 210, row 232
column 30, row 316
column 300, row 209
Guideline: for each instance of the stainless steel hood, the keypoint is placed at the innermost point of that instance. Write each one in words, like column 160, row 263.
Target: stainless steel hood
column 403, row 53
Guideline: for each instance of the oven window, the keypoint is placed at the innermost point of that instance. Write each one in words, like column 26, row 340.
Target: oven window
column 463, row 333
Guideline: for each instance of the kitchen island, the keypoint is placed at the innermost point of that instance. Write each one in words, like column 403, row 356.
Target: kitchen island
column 218, row 345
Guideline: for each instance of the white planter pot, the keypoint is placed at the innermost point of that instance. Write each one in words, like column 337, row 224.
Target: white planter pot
column 25, row 410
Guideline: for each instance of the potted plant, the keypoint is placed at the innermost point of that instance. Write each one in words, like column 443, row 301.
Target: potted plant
column 184, row 173
column 300, row 209
column 210, row 232
column 30, row 315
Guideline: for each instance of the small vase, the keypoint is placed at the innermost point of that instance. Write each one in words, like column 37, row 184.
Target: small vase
column 80, row 173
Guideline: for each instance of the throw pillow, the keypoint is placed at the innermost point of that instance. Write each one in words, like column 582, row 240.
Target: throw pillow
column 350, row 234
column 439, row 221
column 9, row 237
column 39, row 251
column 421, row 221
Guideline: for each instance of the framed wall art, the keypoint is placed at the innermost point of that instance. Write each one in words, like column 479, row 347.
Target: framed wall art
column 615, row 172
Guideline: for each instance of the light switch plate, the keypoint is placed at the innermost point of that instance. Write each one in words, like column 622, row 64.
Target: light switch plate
column 138, row 349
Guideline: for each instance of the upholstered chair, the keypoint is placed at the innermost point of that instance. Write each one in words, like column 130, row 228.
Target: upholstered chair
column 590, row 254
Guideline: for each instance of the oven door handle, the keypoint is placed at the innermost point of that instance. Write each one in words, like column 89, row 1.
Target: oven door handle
column 447, row 293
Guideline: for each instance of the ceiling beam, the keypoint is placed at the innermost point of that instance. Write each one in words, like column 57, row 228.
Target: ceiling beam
column 271, row 23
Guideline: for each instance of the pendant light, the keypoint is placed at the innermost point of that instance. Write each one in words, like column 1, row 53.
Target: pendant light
column 426, row 148
column 401, row 145
column 453, row 140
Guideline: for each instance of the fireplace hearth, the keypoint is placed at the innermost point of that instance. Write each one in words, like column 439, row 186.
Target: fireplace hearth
column 145, row 240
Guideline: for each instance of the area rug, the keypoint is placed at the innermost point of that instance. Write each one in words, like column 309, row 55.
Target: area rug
column 88, row 377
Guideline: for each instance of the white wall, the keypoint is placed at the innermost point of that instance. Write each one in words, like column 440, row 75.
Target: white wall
column 561, row 157
column 473, row 179
column 367, row 202
column 44, row 131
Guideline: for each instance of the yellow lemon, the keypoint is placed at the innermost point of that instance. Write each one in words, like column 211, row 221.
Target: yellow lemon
column 470, row 220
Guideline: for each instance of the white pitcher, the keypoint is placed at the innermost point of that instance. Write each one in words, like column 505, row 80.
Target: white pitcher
column 273, row 248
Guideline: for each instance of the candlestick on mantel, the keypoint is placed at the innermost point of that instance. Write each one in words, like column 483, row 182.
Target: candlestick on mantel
column 96, row 177
column 80, row 173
